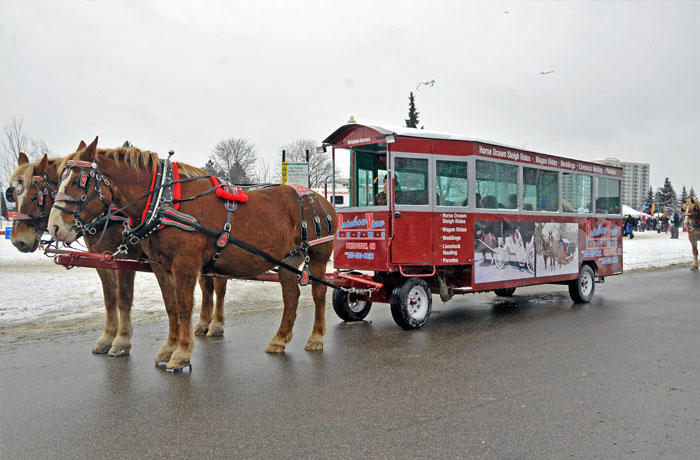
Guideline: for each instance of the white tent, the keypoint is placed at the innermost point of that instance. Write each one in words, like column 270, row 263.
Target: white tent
column 627, row 211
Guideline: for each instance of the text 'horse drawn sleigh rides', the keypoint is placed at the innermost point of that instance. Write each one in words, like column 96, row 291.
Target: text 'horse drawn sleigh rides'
column 191, row 225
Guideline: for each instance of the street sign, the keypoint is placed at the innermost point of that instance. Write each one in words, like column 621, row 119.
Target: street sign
column 295, row 173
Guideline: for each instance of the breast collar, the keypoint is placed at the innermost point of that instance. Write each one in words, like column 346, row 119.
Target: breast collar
column 164, row 192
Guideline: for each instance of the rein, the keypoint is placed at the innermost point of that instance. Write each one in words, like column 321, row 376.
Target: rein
column 159, row 212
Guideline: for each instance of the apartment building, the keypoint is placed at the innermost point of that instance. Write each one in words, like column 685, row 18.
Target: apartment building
column 635, row 180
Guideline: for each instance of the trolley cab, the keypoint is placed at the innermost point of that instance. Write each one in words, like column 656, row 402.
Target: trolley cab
column 432, row 212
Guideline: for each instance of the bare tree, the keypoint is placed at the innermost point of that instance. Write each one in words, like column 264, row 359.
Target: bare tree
column 320, row 165
column 234, row 159
column 264, row 173
column 17, row 140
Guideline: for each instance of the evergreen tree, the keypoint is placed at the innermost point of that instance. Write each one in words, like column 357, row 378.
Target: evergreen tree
column 684, row 196
column 412, row 121
column 691, row 194
column 648, row 200
column 127, row 144
column 668, row 200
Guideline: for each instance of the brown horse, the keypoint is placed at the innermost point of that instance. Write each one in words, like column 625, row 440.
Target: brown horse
column 691, row 211
column 271, row 221
column 552, row 250
column 35, row 185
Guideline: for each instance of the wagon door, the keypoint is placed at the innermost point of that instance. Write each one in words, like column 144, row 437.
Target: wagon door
column 412, row 217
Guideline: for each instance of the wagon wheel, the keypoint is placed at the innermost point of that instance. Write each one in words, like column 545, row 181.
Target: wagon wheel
column 531, row 260
column 349, row 307
column 581, row 289
column 499, row 256
column 411, row 303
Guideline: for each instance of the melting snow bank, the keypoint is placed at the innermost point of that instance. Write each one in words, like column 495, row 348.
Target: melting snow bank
column 34, row 292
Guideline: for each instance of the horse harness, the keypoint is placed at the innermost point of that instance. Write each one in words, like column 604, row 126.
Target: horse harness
column 162, row 210
column 84, row 182
column 31, row 221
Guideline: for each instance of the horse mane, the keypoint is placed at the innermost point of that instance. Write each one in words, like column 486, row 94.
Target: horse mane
column 186, row 170
column 136, row 159
column 25, row 172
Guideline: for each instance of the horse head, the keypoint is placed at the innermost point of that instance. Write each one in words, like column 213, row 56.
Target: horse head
column 83, row 196
column 691, row 211
column 34, row 185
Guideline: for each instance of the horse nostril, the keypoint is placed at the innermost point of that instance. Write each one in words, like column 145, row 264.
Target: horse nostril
column 54, row 231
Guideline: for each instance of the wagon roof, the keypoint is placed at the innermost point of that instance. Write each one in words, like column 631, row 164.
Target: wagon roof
column 384, row 130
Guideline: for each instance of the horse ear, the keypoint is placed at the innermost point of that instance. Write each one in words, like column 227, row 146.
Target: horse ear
column 40, row 167
column 81, row 146
column 89, row 153
column 22, row 159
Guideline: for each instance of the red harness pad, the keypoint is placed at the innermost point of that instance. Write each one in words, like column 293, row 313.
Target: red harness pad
column 226, row 192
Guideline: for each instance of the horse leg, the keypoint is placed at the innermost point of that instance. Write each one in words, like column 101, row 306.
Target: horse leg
column 216, row 327
column 167, row 289
column 206, row 283
column 694, row 242
column 109, row 292
column 185, row 275
column 290, row 297
column 121, row 345
column 318, row 290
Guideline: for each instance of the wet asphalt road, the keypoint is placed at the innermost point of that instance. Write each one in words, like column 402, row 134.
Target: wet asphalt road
column 534, row 377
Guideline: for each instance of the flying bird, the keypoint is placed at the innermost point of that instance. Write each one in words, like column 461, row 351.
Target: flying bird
column 426, row 83
column 545, row 73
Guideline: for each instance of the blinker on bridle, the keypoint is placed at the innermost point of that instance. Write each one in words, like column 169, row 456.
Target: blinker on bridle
column 83, row 182
column 32, row 221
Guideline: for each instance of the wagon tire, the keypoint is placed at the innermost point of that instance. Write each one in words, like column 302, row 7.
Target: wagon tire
column 582, row 289
column 411, row 303
column 505, row 292
column 348, row 307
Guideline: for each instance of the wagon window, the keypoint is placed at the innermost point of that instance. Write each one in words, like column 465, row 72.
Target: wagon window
column 368, row 180
column 451, row 183
column 496, row 185
column 607, row 196
column 577, row 195
column 540, row 190
column 411, row 181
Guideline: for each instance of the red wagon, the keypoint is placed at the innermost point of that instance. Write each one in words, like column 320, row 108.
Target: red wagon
column 439, row 213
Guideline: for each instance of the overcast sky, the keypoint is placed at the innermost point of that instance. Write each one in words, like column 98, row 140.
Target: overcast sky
column 185, row 75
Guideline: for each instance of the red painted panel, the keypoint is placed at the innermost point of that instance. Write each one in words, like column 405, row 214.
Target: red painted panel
column 413, row 238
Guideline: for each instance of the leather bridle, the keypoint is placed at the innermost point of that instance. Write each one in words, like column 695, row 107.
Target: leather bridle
column 85, row 179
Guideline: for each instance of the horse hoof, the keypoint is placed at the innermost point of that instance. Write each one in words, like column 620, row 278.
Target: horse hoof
column 201, row 329
column 119, row 352
column 314, row 346
column 694, row 269
column 216, row 331
column 102, row 346
column 163, row 357
column 274, row 348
